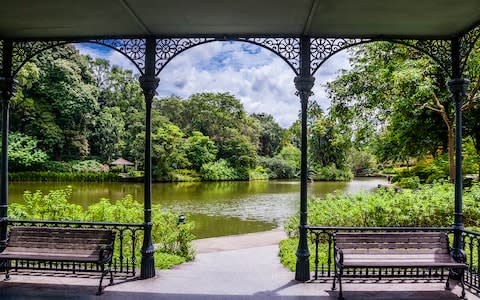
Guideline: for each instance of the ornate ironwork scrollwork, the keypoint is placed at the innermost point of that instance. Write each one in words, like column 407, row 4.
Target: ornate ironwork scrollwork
column 168, row 48
column 322, row 49
column 467, row 44
column 133, row 49
column 286, row 48
column 25, row 50
column 438, row 50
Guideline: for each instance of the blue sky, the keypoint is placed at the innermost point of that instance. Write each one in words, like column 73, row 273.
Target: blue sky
column 261, row 80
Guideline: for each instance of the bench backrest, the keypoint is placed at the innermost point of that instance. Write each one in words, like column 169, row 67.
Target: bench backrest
column 37, row 239
column 392, row 242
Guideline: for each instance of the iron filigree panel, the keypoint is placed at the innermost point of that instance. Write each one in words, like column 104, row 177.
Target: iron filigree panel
column 287, row 49
column 322, row 49
column 133, row 49
column 438, row 50
column 168, row 48
column 467, row 44
column 23, row 51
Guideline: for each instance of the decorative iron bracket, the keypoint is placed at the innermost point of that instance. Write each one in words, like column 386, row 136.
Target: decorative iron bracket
column 321, row 49
column 23, row 51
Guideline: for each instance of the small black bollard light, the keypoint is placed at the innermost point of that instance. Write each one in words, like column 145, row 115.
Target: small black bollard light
column 181, row 219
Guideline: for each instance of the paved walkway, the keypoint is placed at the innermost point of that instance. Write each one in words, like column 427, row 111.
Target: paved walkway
column 251, row 271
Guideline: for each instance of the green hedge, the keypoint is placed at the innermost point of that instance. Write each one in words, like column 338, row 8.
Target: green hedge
column 429, row 206
column 173, row 241
column 64, row 176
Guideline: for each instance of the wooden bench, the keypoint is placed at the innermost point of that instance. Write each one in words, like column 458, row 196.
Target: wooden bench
column 53, row 244
column 394, row 250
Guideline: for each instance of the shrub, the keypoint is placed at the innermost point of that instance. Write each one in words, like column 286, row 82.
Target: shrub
column 87, row 166
column 428, row 206
column 278, row 168
column 63, row 176
column 330, row 173
column 219, row 170
column 409, row 182
column 259, row 173
column 172, row 239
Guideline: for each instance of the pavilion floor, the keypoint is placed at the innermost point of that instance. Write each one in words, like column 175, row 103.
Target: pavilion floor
column 252, row 271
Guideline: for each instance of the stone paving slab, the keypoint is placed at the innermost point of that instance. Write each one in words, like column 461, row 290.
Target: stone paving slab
column 251, row 273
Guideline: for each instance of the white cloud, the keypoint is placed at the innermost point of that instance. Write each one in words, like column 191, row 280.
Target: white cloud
column 260, row 79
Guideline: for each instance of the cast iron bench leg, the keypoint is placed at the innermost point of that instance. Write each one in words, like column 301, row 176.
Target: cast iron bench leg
column 447, row 284
column 462, row 283
column 99, row 292
column 340, row 294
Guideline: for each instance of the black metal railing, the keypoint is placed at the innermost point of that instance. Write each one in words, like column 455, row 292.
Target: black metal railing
column 124, row 261
column 471, row 245
column 323, row 263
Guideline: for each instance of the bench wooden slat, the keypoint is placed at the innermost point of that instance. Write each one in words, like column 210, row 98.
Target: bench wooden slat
column 380, row 245
column 70, row 233
column 396, row 251
column 57, row 245
column 404, row 239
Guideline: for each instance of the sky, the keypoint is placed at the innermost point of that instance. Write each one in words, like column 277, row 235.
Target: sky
column 259, row 78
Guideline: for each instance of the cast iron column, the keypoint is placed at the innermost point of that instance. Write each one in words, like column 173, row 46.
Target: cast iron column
column 458, row 89
column 304, row 84
column 7, row 88
column 149, row 84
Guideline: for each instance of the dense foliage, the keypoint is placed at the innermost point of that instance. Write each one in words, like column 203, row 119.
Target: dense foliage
column 396, row 100
column 173, row 241
column 429, row 206
column 72, row 108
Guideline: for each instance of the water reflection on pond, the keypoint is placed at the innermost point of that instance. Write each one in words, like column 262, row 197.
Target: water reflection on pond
column 218, row 208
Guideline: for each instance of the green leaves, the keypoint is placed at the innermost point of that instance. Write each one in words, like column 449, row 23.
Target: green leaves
column 23, row 151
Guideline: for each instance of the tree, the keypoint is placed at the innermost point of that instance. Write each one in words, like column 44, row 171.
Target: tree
column 271, row 135
column 403, row 94
column 56, row 106
column 106, row 134
column 168, row 150
column 23, row 152
column 200, row 150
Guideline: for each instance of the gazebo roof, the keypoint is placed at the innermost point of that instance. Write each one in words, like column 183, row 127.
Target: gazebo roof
column 317, row 18
column 121, row 162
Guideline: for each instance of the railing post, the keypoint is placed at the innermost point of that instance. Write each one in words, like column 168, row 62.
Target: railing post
column 304, row 84
column 149, row 84
column 458, row 89
column 7, row 89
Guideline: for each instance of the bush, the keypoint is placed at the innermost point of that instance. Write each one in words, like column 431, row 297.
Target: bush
column 429, row 206
column 55, row 166
column 219, row 170
column 63, row 176
column 409, row 182
column 330, row 173
column 259, row 173
column 171, row 239
column 87, row 166
column 278, row 168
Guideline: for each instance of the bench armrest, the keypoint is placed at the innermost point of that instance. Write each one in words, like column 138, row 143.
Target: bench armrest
column 338, row 256
column 105, row 254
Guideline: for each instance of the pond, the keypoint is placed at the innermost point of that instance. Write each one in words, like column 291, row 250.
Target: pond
column 218, row 208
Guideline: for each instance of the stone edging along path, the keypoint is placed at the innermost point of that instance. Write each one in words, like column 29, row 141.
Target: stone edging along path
column 241, row 241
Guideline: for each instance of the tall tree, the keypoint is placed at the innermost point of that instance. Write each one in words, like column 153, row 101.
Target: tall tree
column 402, row 93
